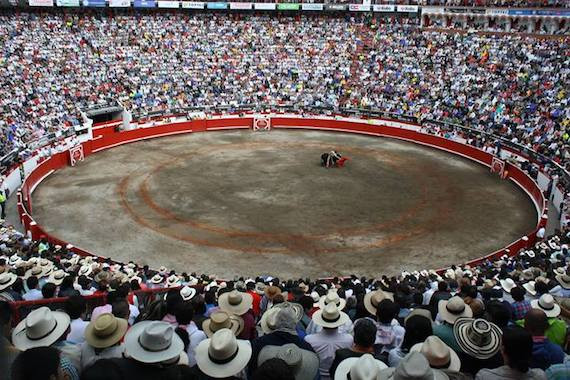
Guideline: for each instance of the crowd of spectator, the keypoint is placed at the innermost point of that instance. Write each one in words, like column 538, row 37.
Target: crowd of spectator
column 503, row 319
column 52, row 64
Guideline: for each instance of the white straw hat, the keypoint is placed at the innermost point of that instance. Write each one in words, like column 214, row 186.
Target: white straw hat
column 41, row 328
column 153, row 342
column 359, row 368
column 330, row 317
column 222, row 355
column 438, row 354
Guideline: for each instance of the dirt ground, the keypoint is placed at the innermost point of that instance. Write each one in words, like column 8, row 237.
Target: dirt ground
column 245, row 203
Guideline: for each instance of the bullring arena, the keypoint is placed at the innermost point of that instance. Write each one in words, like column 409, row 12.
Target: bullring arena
column 262, row 202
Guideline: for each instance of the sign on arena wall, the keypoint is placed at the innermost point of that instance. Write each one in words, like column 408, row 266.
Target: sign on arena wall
column 217, row 5
column 94, row 3
column 288, row 6
column 67, row 3
column 407, row 8
column 119, row 3
column 312, row 7
column 241, row 6
column 336, row 7
column 265, row 6
column 358, row 8
column 169, row 4
column 76, row 154
column 383, row 8
column 261, row 123
column 41, row 3
column 192, row 5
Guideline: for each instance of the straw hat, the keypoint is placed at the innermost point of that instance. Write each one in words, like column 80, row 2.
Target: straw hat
column 156, row 279
column 7, row 279
column 269, row 319
column 34, row 271
column 372, row 299
column 57, row 277
column 529, row 287
column 477, row 337
column 563, row 280
column 153, row 342
column 173, row 282
column 414, row 366
column 438, row 354
column 364, row 367
column 304, row 363
column 330, row 317
column 235, row 302
column 260, row 288
column 221, row 320
column 187, row 293
column 454, row 308
column 222, row 355
column 85, row 270
column 105, row 331
column 546, row 303
column 41, row 328
column 332, row 297
column 508, row 284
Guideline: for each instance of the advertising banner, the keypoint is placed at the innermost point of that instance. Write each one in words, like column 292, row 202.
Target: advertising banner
column 496, row 12
column 288, row 6
column 336, row 7
column 119, row 3
column 383, row 8
column 407, row 8
column 265, row 6
column 241, row 6
column 217, row 5
column 94, row 3
column 67, row 3
column 41, row 3
column 359, row 8
column 168, row 4
column 192, row 5
column 312, row 7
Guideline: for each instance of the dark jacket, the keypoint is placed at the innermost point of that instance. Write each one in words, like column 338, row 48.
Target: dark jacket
column 545, row 353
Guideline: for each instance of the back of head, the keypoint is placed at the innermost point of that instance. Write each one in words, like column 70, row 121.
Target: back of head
column 536, row 322
column 517, row 348
column 518, row 293
column 75, row 306
column 365, row 332
column 498, row 313
column 274, row 369
column 306, row 302
column 120, row 309
column 102, row 369
column 418, row 328
column 442, row 286
column 184, row 313
column 40, row 363
column 386, row 311
column 32, row 282
column 48, row 290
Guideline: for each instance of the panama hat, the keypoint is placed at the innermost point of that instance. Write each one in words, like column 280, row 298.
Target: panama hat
column 156, row 279
column 546, row 303
column 105, row 331
column 477, row 337
column 57, row 277
column 7, row 279
column 364, row 367
column 330, row 317
column 414, row 366
column 153, row 342
column 102, row 276
column 438, row 354
column 260, row 288
column 14, row 260
column 187, row 293
column 508, row 284
column 372, row 299
column 163, row 271
column 85, row 270
column 419, row 312
column 235, row 302
column 304, row 363
column 529, row 287
column 221, row 320
column 34, row 271
column 332, row 297
column 564, row 281
column 222, row 355
column 41, row 328
column 269, row 319
column 173, row 282
column 454, row 308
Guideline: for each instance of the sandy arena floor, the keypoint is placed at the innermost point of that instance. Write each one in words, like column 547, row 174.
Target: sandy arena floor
column 230, row 203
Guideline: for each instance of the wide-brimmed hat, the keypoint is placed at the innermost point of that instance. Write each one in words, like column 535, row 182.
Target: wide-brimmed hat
column 528, row 274
column 47, row 267
column 153, row 342
column 36, row 271
column 454, row 308
column 157, row 279
column 7, row 279
column 14, row 260
column 364, row 367
column 222, row 355
column 508, row 284
column 414, row 366
column 187, row 293
column 269, row 319
column 330, row 317
column 304, row 363
column 260, row 288
column 235, row 302
column 546, row 303
column 438, row 354
column 372, row 299
column 529, row 287
column 163, row 271
column 102, row 276
column 419, row 312
column 564, row 281
column 272, row 291
column 173, row 281
column 85, row 270
column 41, row 328
column 477, row 337
column 57, row 277
column 105, row 331
column 221, row 320
column 332, row 297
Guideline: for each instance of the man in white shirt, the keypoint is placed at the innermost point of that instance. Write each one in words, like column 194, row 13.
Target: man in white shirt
column 75, row 307
column 33, row 293
column 326, row 342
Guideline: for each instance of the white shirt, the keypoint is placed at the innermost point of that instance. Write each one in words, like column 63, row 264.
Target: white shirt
column 325, row 345
column 134, row 313
column 89, row 357
column 313, row 328
column 77, row 331
column 196, row 336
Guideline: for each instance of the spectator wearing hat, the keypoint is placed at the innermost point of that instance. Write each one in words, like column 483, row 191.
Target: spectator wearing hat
column 75, row 307
column 563, row 287
column 279, row 327
column 556, row 330
column 45, row 328
column 329, row 340
column 516, row 349
column 449, row 311
column 303, row 363
column 413, row 366
column 103, row 339
column 520, row 305
column 359, row 368
column 270, row 292
column 239, row 303
column 152, row 351
column 222, row 320
column 39, row 363
column 439, row 355
column 222, row 356
column 544, row 352
column 479, row 343
column 332, row 296
column 7, row 279
column 418, row 328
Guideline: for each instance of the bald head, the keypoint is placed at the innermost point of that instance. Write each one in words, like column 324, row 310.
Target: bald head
column 536, row 322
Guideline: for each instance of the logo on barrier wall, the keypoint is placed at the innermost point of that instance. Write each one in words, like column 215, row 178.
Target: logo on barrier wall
column 76, row 154
column 261, row 123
